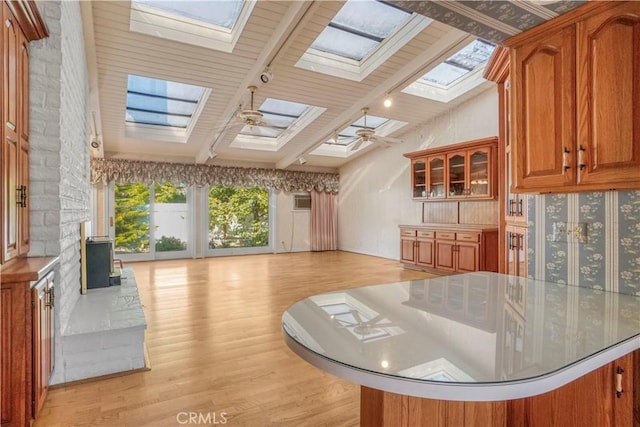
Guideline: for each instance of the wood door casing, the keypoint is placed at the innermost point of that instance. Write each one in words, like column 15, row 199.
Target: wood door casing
column 608, row 96
column 544, row 111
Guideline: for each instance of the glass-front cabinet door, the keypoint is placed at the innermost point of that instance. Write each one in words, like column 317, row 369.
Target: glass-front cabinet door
column 419, row 178
column 436, row 178
column 479, row 173
column 457, row 184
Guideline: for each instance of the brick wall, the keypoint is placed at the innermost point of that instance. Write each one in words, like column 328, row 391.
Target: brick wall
column 59, row 160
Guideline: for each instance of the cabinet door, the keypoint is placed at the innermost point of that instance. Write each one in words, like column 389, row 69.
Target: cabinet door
column 436, row 177
column 407, row 250
column 457, row 183
column 419, row 178
column 543, row 113
column 609, row 98
column 11, row 147
column 41, row 345
column 479, row 184
column 425, row 256
column 23, row 153
column 445, row 255
column 467, row 254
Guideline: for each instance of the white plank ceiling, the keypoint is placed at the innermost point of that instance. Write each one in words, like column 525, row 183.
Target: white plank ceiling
column 277, row 34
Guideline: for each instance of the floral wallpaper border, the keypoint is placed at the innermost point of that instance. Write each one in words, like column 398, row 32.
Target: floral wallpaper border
column 131, row 171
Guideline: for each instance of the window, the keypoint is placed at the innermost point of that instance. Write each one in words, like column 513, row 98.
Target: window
column 210, row 24
column 362, row 35
column 238, row 217
column 219, row 13
column 157, row 108
column 456, row 75
column 359, row 27
column 462, row 62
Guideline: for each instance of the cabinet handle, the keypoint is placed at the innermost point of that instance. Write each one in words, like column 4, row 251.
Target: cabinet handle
column 565, row 160
column 512, row 203
column 619, row 372
column 581, row 163
column 520, row 213
column 509, row 241
column 22, row 196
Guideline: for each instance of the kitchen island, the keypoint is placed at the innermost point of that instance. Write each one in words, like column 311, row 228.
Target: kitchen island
column 477, row 349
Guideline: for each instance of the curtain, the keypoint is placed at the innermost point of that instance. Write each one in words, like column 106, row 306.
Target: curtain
column 133, row 171
column 324, row 221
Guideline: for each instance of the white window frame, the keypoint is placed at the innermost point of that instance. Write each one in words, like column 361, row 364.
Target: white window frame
column 338, row 66
column 158, row 23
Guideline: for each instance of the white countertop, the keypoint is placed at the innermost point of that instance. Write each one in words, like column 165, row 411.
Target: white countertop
column 471, row 337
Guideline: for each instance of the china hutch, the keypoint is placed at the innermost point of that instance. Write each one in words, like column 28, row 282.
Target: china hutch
column 27, row 297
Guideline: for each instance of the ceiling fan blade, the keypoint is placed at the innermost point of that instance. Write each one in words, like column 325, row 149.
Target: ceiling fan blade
column 357, row 144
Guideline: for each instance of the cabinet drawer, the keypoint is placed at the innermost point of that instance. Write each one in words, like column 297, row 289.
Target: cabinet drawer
column 408, row 232
column 426, row 234
column 445, row 235
column 468, row 237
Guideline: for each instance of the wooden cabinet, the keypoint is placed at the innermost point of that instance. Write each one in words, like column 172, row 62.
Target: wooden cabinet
column 21, row 24
column 449, row 247
column 576, row 102
column 27, row 303
column 590, row 400
column 417, row 247
column 456, row 172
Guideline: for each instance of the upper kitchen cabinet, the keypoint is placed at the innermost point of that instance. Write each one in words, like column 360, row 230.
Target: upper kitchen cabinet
column 21, row 24
column 576, row 101
column 464, row 171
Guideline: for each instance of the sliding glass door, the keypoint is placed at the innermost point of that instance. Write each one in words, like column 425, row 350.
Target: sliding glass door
column 152, row 222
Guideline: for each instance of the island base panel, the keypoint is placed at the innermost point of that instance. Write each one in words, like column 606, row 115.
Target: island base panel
column 590, row 400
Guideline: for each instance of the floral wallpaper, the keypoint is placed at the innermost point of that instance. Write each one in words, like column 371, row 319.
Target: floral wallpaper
column 491, row 20
column 608, row 259
column 629, row 232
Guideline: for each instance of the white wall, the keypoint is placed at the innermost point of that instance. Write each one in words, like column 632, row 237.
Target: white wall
column 375, row 190
column 292, row 227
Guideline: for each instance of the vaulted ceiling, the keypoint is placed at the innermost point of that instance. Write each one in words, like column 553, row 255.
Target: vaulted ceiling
column 276, row 35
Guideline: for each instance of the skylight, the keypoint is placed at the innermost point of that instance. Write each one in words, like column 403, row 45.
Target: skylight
column 362, row 35
column 161, row 102
column 210, row 24
column 464, row 61
column 359, row 27
column 220, row 13
column 279, row 115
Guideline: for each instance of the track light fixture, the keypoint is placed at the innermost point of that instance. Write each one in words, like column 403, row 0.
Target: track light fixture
column 388, row 102
column 266, row 76
column 302, row 160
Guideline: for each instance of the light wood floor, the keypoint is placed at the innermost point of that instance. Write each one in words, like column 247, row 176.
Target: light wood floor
column 215, row 346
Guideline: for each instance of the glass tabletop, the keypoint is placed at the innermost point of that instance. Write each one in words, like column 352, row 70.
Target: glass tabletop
column 468, row 328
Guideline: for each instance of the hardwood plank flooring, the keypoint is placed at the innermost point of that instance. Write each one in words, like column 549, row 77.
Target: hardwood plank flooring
column 215, row 345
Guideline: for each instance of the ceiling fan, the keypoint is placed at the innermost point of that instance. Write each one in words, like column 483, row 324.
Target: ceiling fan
column 366, row 134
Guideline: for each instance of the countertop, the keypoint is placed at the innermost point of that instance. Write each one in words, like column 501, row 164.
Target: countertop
column 26, row 269
column 469, row 337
